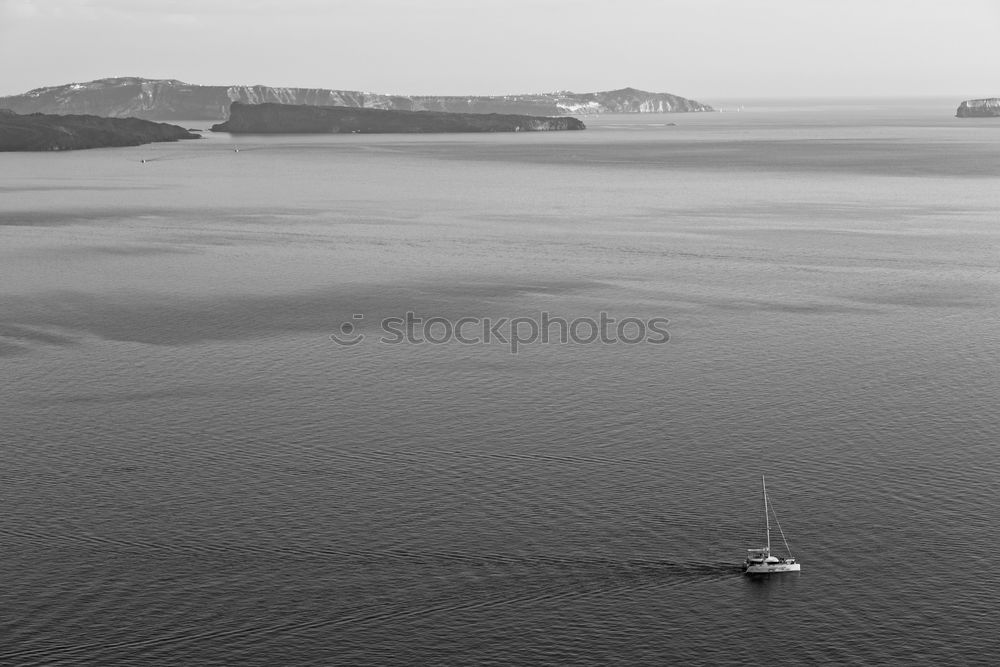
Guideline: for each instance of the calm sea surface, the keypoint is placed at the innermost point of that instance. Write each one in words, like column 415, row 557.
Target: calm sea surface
column 195, row 473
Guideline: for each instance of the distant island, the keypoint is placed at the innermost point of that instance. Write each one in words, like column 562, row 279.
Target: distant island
column 47, row 132
column 300, row 118
column 986, row 107
column 169, row 99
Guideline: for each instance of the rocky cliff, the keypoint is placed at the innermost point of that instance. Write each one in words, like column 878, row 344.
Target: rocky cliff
column 989, row 106
column 168, row 99
column 626, row 100
column 272, row 118
column 40, row 132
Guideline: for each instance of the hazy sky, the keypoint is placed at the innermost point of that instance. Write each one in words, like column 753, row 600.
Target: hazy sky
column 703, row 49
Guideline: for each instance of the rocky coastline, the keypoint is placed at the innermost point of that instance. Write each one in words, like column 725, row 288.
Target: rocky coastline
column 169, row 99
column 48, row 132
column 305, row 119
column 982, row 108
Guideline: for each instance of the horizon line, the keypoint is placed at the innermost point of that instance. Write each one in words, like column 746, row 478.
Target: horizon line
column 699, row 98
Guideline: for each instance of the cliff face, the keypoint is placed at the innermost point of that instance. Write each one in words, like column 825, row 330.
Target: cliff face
column 272, row 118
column 169, row 99
column 628, row 100
column 39, row 132
column 121, row 98
column 979, row 108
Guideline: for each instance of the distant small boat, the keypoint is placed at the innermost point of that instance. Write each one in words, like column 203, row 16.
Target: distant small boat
column 760, row 561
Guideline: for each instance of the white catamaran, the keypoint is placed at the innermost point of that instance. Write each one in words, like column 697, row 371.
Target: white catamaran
column 760, row 561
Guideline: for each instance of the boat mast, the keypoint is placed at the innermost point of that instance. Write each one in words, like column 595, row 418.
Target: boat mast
column 767, row 518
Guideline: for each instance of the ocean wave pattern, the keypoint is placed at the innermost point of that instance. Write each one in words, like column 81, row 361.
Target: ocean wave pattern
column 194, row 473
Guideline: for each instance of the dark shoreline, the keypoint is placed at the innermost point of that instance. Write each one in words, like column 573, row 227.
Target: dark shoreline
column 305, row 119
column 51, row 132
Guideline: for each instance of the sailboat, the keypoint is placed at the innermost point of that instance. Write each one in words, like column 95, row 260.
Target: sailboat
column 760, row 561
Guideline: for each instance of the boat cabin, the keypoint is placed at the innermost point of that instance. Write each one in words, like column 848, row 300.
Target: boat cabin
column 763, row 556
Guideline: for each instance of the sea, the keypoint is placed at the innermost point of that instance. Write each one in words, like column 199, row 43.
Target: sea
column 215, row 450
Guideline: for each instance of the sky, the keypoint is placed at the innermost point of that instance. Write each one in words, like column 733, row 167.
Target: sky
column 701, row 49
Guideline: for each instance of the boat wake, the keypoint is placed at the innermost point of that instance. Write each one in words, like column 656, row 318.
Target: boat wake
column 584, row 579
column 478, row 582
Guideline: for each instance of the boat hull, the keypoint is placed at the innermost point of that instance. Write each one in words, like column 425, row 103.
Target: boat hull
column 772, row 568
